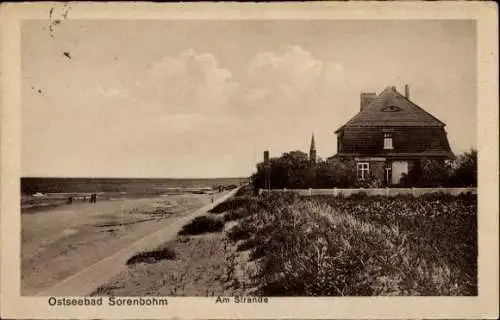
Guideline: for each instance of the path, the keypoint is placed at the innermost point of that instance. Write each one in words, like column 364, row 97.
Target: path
column 90, row 278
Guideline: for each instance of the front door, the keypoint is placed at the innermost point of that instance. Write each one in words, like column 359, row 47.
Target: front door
column 398, row 169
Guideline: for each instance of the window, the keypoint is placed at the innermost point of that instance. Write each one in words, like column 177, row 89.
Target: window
column 388, row 173
column 388, row 141
column 363, row 170
column 391, row 109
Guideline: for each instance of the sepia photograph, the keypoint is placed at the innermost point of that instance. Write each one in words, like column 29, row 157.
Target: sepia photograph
column 248, row 159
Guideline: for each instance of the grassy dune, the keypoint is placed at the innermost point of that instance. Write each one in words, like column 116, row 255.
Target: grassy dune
column 287, row 245
column 358, row 246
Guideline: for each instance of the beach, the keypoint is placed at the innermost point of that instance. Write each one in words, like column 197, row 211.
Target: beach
column 59, row 242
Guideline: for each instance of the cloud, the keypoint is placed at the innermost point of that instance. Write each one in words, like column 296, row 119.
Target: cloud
column 188, row 83
column 289, row 81
column 296, row 68
column 179, row 95
column 193, row 95
column 196, row 83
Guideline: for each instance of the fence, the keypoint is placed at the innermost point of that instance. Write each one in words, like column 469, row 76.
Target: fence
column 389, row 192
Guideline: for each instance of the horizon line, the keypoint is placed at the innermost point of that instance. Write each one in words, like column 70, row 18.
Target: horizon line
column 124, row 177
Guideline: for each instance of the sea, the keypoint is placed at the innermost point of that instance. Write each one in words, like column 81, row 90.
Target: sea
column 36, row 191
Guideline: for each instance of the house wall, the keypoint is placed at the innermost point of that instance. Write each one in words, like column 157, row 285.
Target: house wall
column 377, row 167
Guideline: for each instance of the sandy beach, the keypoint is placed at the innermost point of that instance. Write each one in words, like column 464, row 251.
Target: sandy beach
column 59, row 242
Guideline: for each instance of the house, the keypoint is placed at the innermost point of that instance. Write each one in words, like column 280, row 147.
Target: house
column 389, row 136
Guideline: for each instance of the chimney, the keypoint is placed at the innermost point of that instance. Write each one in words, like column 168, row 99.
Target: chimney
column 366, row 98
column 407, row 91
column 266, row 157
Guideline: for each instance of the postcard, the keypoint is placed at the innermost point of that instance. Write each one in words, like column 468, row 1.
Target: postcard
column 249, row 160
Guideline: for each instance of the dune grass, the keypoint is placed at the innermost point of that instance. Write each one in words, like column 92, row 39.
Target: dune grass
column 231, row 204
column 361, row 246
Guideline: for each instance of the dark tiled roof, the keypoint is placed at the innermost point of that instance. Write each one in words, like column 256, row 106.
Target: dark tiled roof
column 390, row 108
column 408, row 141
column 404, row 155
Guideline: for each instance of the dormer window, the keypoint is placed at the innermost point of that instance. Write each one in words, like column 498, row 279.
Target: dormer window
column 391, row 109
column 388, row 141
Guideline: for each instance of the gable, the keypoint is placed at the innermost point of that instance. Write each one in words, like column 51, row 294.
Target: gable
column 390, row 108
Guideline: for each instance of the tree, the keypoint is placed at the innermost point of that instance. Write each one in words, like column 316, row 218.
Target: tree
column 427, row 173
column 291, row 170
column 336, row 173
column 295, row 165
column 465, row 172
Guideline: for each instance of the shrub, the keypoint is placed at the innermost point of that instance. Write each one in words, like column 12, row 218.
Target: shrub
column 164, row 253
column 433, row 173
column 201, row 225
column 372, row 182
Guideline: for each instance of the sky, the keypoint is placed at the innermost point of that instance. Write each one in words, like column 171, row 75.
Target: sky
column 174, row 98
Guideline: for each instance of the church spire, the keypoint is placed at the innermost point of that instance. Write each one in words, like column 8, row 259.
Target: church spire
column 312, row 150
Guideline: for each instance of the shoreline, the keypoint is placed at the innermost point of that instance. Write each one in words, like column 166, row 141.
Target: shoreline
column 56, row 200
